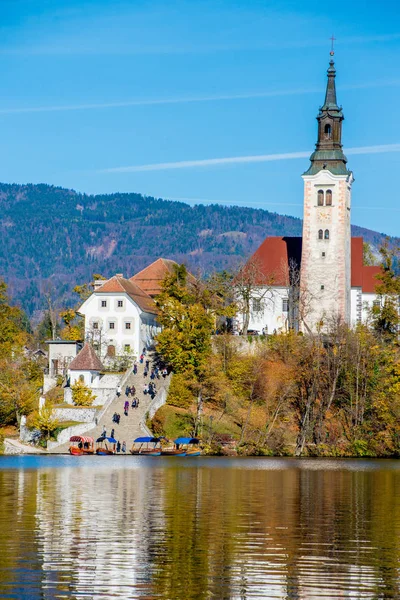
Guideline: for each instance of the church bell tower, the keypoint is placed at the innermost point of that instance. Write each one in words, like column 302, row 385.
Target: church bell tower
column 326, row 262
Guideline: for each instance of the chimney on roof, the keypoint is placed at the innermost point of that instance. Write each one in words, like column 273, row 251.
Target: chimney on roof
column 119, row 275
column 97, row 283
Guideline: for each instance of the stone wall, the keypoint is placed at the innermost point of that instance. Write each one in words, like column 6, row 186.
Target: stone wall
column 158, row 402
column 79, row 414
column 12, row 446
column 107, row 398
column 65, row 434
column 48, row 382
column 105, row 391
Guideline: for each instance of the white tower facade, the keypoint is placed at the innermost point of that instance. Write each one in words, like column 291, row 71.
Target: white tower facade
column 325, row 288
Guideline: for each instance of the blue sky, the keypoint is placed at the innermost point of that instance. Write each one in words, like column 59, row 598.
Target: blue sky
column 102, row 96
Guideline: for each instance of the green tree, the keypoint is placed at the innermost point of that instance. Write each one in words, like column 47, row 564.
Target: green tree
column 369, row 258
column 185, row 341
column 385, row 316
column 45, row 421
column 12, row 336
column 81, row 394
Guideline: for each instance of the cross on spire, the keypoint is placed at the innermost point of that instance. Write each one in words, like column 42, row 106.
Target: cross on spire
column 333, row 39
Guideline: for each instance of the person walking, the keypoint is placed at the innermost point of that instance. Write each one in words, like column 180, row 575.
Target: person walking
column 123, row 447
column 104, row 431
column 118, row 390
column 118, row 446
column 135, row 368
column 112, row 433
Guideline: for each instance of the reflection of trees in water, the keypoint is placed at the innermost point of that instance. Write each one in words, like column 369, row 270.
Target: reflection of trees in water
column 296, row 530
column 19, row 557
column 200, row 533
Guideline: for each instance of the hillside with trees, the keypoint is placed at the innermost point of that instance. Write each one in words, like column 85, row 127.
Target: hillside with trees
column 53, row 238
column 335, row 392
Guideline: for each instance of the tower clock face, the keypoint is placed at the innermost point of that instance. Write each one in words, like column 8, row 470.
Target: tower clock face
column 324, row 216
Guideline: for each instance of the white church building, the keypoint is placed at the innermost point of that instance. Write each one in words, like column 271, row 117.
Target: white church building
column 304, row 282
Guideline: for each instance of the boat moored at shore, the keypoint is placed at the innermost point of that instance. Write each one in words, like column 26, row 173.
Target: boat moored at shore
column 141, row 446
column 105, row 450
column 81, row 445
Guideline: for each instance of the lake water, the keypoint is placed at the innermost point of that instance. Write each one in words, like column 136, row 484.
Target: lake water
column 198, row 528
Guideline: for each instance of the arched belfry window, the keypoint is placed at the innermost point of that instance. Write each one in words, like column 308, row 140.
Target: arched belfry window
column 328, row 198
column 328, row 131
column 320, row 197
column 326, row 236
column 320, row 234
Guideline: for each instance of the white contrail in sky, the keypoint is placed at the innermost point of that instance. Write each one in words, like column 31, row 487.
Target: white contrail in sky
column 114, row 49
column 191, row 99
column 213, row 162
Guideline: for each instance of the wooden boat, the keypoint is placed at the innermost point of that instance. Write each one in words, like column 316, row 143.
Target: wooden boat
column 141, row 446
column 84, row 445
column 173, row 452
column 189, row 445
column 105, row 450
column 193, row 452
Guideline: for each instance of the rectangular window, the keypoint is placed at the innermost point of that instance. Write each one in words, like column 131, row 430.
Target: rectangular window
column 127, row 347
column 127, row 325
column 285, row 304
column 256, row 305
column 103, row 303
column 112, row 325
column 120, row 303
column 95, row 325
column 376, row 303
column 323, row 255
column 322, row 287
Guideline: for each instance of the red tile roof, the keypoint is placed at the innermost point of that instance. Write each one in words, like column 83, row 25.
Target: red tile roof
column 273, row 257
column 118, row 284
column 86, row 360
column 362, row 275
column 272, row 260
column 369, row 280
column 151, row 278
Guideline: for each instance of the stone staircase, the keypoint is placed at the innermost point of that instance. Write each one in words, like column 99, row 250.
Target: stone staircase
column 133, row 425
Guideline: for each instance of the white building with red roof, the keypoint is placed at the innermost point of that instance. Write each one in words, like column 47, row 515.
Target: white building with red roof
column 120, row 317
column 274, row 306
column 86, row 367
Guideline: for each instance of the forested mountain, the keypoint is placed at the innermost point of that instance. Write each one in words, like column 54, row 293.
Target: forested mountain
column 53, row 238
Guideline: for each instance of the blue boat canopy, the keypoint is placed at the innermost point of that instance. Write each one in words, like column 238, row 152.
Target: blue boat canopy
column 143, row 440
column 186, row 440
column 182, row 440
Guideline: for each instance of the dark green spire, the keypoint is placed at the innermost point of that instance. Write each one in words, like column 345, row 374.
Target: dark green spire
column 328, row 150
column 330, row 96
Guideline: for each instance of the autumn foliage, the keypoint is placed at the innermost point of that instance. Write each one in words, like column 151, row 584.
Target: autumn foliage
column 332, row 393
